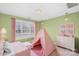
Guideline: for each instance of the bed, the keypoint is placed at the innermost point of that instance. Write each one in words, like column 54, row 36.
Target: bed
column 19, row 49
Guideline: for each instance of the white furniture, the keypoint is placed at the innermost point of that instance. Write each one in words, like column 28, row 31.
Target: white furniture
column 66, row 37
column 66, row 42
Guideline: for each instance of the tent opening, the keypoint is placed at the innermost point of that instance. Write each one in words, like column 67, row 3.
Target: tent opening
column 37, row 48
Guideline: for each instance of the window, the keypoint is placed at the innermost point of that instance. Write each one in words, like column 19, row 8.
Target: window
column 24, row 29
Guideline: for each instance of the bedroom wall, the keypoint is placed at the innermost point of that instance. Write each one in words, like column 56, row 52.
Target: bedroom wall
column 5, row 21
column 52, row 26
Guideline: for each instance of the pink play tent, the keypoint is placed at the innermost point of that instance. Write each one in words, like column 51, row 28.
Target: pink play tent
column 43, row 44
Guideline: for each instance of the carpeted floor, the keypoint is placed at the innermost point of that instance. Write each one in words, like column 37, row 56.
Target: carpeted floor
column 60, row 52
column 65, row 52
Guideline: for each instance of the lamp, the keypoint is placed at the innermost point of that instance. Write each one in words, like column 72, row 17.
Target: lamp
column 3, row 31
column 3, row 34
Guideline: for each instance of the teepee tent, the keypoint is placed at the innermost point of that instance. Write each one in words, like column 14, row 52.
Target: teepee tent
column 43, row 44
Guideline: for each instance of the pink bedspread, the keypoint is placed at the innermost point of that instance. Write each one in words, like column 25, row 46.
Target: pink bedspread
column 20, row 50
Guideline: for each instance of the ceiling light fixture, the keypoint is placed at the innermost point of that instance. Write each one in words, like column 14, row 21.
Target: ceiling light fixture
column 66, row 16
column 38, row 11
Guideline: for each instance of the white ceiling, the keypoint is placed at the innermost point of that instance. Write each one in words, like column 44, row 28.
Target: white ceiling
column 36, row 11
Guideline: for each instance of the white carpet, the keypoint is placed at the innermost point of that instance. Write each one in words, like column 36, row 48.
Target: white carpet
column 65, row 52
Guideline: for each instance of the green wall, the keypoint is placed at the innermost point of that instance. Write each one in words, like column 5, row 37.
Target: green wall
column 39, row 25
column 52, row 25
column 5, row 21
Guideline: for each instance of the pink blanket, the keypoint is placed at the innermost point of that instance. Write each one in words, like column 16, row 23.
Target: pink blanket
column 20, row 50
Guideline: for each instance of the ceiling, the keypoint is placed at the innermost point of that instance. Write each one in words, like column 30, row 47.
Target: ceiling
column 36, row 11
